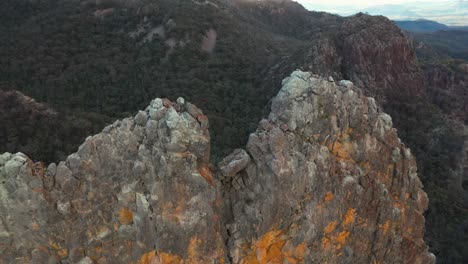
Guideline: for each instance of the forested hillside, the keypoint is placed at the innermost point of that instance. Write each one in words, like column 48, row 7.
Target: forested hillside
column 91, row 58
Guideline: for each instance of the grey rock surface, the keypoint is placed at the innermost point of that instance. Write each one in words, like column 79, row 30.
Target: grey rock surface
column 324, row 179
column 139, row 191
column 331, row 188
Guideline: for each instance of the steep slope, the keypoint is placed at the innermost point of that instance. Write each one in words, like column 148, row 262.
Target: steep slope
column 421, row 25
column 447, row 43
column 42, row 132
column 324, row 179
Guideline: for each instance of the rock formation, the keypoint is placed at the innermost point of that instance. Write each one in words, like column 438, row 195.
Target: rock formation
column 324, row 179
column 141, row 191
column 329, row 182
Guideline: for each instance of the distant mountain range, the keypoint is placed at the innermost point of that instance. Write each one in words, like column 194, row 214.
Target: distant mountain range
column 426, row 26
column 449, row 12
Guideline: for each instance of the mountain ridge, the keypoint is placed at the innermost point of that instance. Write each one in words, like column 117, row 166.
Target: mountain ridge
column 426, row 26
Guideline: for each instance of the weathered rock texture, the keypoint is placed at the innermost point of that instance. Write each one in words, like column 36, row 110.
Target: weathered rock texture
column 329, row 182
column 140, row 191
column 324, row 179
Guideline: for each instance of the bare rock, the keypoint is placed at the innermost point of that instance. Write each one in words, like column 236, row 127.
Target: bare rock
column 234, row 163
column 324, row 179
column 141, row 118
column 331, row 187
column 128, row 194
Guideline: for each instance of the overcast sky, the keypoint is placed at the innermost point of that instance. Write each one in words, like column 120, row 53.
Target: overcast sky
column 450, row 12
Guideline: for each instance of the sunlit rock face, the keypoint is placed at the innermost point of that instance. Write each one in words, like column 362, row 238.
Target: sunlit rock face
column 324, row 179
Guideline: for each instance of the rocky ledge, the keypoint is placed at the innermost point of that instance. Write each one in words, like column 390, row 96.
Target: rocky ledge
column 324, row 179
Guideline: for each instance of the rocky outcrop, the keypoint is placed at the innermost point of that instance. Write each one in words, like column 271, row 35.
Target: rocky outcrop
column 329, row 182
column 142, row 190
column 324, row 179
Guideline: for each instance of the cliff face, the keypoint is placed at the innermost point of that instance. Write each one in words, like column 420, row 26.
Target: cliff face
column 323, row 179
column 447, row 88
column 379, row 57
column 370, row 51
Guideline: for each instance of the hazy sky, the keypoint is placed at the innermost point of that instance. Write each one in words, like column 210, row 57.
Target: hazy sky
column 450, row 12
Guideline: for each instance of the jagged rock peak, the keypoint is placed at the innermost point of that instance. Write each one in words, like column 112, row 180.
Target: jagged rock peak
column 324, row 179
column 329, row 182
column 142, row 190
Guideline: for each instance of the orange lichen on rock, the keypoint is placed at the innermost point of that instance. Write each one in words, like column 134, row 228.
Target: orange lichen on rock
column 341, row 238
column 207, row 174
column 194, row 249
column 342, row 148
column 365, row 166
column 174, row 212
column 340, row 151
column 349, row 217
column 154, row 257
column 385, row 226
column 326, row 242
column 54, row 245
column 274, row 247
column 166, row 258
column 329, row 196
column 148, row 258
column 330, row 227
column 299, row 252
column 63, row 253
column 125, row 216
column 333, row 241
column 195, row 253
